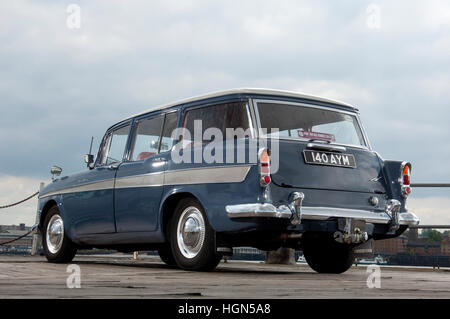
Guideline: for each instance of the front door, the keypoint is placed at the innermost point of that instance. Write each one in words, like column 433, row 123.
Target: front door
column 93, row 198
column 140, row 180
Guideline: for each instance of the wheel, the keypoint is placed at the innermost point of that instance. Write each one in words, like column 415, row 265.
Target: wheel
column 58, row 248
column 192, row 238
column 166, row 256
column 328, row 256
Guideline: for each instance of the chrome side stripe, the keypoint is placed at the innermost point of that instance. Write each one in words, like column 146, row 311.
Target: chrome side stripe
column 222, row 174
column 94, row 186
column 146, row 180
column 208, row 175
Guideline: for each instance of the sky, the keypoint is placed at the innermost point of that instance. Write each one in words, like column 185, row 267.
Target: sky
column 60, row 84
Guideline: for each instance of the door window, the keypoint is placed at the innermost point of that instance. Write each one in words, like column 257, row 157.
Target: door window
column 170, row 123
column 115, row 145
column 147, row 138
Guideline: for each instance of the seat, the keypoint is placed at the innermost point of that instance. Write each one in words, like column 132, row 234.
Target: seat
column 144, row 155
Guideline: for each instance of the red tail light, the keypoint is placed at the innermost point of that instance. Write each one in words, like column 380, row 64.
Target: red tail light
column 264, row 167
column 406, row 179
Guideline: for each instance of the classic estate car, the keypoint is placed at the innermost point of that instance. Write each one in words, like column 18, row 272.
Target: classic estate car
column 160, row 181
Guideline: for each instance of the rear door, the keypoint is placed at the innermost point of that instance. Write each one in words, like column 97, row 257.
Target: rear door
column 320, row 148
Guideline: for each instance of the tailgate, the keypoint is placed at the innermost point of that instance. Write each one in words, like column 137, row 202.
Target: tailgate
column 364, row 175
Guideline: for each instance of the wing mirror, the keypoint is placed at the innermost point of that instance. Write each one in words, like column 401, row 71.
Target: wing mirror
column 55, row 171
column 89, row 159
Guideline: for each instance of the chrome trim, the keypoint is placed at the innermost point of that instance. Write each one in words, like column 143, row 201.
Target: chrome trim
column 203, row 175
column 92, row 186
column 296, row 199
column 209, row 175
column 316, row 213
column 55, row 234
column 327, row 147
column 191, row 232
column 257, row 210
column 392, row 209
column 145, row 180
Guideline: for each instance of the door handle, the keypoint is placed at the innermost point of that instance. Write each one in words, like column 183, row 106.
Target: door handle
column 326, row 147
column 113, row 166
column 159, row 160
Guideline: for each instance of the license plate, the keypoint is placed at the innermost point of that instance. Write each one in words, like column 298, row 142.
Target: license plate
column 329, row 159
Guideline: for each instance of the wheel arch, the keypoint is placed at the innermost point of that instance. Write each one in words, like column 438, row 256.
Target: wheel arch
column 168, row 208
column 45, row 209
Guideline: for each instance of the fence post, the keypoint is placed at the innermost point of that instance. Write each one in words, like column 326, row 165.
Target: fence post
column 36, row 236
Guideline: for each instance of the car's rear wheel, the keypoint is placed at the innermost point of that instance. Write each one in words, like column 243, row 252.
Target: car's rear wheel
column 165, row 253
column 58, row 248
column 192, row 238
column 325, row 255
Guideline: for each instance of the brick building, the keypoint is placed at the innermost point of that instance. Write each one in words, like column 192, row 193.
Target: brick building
column 445, row 246
column 392, row 246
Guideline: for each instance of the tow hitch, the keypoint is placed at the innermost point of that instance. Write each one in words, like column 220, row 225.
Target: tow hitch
column 351, row 231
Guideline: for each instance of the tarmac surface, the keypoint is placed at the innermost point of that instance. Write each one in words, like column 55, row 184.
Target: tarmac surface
column 119, row 276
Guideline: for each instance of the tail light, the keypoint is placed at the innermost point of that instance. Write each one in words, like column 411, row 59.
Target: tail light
column 264, row 167
column 405, row 179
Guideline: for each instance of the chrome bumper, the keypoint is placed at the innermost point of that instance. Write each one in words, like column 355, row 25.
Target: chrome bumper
column 317, row 213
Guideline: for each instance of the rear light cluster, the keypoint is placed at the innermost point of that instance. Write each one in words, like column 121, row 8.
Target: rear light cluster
column 264, row 167
column 405, row 179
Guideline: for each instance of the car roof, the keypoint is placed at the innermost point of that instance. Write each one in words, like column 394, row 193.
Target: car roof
column 248, row 91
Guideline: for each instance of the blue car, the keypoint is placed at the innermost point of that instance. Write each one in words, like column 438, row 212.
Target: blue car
column 243, row 167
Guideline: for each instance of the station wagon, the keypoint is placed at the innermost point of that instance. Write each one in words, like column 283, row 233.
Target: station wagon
column 244, row 167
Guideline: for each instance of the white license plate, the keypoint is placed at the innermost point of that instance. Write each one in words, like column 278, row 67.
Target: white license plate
column 329, row 159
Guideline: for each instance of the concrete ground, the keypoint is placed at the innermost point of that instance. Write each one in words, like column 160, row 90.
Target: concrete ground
column 119, row 276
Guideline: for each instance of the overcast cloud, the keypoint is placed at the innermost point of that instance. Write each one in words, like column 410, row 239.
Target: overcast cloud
column 59, row 86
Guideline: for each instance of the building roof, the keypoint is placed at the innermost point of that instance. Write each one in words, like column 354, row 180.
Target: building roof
column 255, row 91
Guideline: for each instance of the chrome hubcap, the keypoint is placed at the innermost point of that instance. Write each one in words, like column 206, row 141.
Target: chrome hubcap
column 55, row 234
column 191, row 232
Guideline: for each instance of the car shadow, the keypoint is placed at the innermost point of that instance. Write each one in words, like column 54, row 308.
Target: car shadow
column 222, row 268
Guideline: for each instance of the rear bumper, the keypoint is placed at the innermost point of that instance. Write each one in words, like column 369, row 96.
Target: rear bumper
column 316, row 213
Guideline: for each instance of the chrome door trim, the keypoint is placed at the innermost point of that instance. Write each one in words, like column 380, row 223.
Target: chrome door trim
column 216, row 174
column 92, row 186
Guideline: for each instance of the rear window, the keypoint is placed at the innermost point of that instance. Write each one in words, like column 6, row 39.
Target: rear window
column 309, row 123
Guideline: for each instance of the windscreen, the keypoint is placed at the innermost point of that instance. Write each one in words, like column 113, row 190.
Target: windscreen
column 310, row 123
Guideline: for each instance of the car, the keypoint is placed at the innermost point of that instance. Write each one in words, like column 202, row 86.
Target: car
column 244, row 167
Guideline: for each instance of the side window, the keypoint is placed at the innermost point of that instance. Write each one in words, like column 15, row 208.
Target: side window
column 170, row 124
column 147, row 138
column 221, row 116
column 114, row 147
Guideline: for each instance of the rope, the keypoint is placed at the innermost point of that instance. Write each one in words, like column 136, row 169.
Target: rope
column 20, row 237
column 23, row 200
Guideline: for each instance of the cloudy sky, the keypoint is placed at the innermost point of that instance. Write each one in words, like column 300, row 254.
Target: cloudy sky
column 61, row 85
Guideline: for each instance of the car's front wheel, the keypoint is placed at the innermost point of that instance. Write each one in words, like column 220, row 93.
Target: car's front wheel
column 58, row 248
column 325, row 255
column 192, row 238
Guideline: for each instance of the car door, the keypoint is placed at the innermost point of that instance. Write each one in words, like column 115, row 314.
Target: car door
column 140, row 179
column 92, row 205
